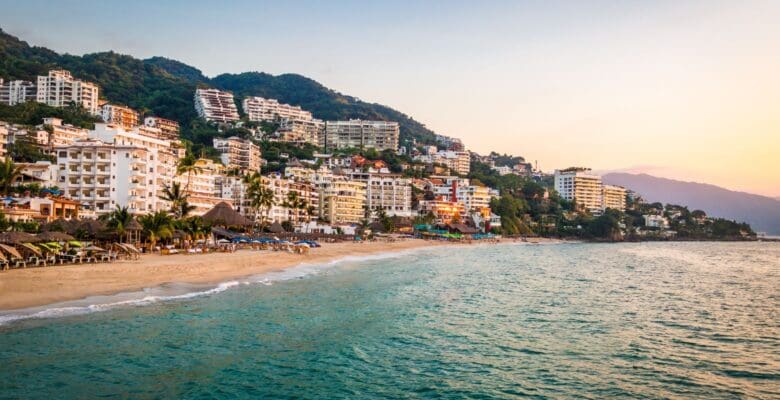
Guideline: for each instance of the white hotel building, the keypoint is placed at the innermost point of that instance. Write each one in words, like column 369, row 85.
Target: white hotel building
column 17, row 92
column 385, row 191
column 587, row 191
column 215, row 105
column 60, row 89
column 380, row 135
column 262, row 109
column 117, row 167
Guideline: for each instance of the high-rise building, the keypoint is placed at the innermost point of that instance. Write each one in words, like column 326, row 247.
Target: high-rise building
column 580, row 186
column 168, row 128
column 125, row 116
column 17, row 92
column 262, row 109
column 613, row 197
column 380, row 135
column 102, row 176
column 385, row 191
column 342, row 201
column 288, row 206
column 60, row 89
column 302, row 131
column 458, row 162
column 239, row 153
column 215, row 105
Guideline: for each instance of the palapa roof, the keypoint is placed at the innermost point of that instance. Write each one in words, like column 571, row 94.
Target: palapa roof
column 276, row 228
column 224, row 214
column 18, row 238
column 54, row 236
column 462, row 228
column 133, row 225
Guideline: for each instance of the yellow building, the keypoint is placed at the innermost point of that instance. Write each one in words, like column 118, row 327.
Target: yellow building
column 343, row 201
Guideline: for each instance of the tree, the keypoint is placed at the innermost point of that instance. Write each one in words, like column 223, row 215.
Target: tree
column 261, row 198
column 178, row 198
column 157, row 226
column 9, row 173
column 118, row 220
column 188, row 165
column 296, row 203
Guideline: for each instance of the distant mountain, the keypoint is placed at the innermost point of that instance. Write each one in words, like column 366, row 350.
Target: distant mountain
column 761, row 212
column 165, row 87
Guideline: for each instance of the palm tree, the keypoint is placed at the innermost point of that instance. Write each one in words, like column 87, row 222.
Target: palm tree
column 119, row 219
column 157, row 226
column 295, row 202
column 188, row 165
column 9, row 173
column 260, row 196
column 178, row 198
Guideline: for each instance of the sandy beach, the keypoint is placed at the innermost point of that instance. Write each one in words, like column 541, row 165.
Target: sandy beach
column 29, row 287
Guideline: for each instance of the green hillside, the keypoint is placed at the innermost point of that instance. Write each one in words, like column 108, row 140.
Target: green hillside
column 165, row 87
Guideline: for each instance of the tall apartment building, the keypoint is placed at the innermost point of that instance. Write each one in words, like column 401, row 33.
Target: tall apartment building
column 169, row 129
column 17, row 92
column 239, row 153
column 580, row 186
column 120, row 115
column 102, row 176
column 282, row 210
column 391, row 193
column 302, row 131
column 342, row 201
column 215, row 105
column 456, row 161
column 3, row 139
column 380, row 135
column 613, row 197
column 261, row 109
column 60, row 89
column 203, row 186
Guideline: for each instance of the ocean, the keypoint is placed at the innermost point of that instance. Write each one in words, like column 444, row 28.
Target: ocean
column 558, row 321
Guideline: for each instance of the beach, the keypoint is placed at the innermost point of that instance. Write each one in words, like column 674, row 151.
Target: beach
column 30, row 287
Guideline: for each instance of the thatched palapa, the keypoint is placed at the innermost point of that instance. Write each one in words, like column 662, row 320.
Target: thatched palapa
column 223, row 214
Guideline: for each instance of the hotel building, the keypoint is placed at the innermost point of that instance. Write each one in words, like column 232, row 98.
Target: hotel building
column 239, row 153
column 203, row 186
column 458, row 162
column 169, row 129
column 120, row 167
column 380, row 135
column 60, row 89
column 302, row 131
column 385, row 191
column 613, row 197
column 215, row 105
column 63, row 134
column 17, row 92
column 282, row 211
column 581, row 187
column 125, row 116
column 342, row 201
column 262, row 109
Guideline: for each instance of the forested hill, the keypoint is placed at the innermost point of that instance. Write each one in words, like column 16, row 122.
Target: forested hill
column 165, row 87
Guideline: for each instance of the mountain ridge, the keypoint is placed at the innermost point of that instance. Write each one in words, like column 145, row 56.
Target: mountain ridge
column 762, row 212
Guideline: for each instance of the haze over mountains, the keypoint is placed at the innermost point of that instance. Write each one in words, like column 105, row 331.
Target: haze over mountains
column 761, row 212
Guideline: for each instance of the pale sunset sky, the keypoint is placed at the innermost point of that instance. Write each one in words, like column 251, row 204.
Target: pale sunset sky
column 681, row 89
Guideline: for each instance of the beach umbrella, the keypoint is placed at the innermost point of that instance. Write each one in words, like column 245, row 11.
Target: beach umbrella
column 10, row 250
column 93, row 248
column 32, row 248
column 53, row 236
column 18, row 238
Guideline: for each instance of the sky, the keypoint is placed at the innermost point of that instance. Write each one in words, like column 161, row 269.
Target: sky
column 681, row 89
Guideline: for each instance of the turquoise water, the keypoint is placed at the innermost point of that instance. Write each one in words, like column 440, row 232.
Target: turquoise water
column 657, row 320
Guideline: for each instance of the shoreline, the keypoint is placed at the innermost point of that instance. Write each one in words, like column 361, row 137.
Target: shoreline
column 41, row 286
